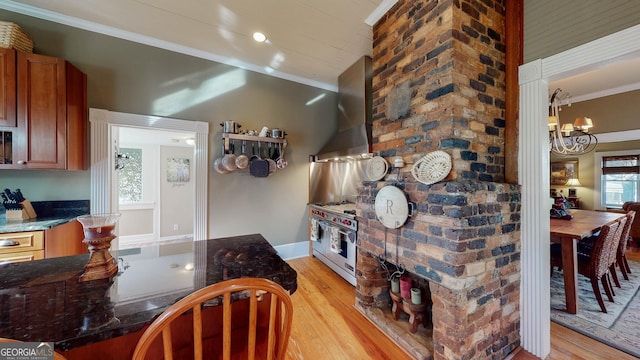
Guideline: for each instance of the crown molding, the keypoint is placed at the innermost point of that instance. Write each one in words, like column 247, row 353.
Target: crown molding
column 378, row 12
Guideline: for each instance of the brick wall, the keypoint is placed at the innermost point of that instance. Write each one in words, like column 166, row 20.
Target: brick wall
column 438, row 83
column 464, row 239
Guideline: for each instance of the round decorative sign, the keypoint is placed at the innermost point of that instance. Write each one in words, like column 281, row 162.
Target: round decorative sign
column 392, row 208
column 377, row 168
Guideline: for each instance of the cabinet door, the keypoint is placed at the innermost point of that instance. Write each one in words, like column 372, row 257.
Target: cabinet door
column 42, row 112
column 21, row 256
column 21, row 242
column 64, row 240
column 7, row 87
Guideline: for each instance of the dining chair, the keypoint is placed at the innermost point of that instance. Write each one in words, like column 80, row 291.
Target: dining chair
column 56, row 356
column 585, row 245
column 614, row 249
column 253, row 321
column 621, row 257
column 594, row 262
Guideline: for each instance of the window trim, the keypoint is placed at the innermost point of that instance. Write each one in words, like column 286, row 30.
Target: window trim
column 597, row 174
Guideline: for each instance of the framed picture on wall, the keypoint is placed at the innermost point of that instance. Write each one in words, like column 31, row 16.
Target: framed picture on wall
column 562, row 171
column 177, row 170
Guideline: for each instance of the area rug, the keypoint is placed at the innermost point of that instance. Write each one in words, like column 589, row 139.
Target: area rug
column 619, row 327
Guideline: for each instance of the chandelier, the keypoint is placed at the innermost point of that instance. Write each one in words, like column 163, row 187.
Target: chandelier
column 568, row 139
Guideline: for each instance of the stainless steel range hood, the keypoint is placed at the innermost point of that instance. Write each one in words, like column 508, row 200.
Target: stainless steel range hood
column 354, row 113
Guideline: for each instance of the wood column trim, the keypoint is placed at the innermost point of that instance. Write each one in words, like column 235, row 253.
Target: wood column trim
column 514, row 57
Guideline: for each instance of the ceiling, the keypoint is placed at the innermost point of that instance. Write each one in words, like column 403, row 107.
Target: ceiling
column 309, row 41
column 612, row 79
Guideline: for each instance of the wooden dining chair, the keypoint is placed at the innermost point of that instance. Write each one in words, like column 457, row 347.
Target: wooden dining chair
column 594, row 261
column 597, row 263
column 248, row 318
column 56, row 356
column 614, row 249
column 621, row 257
column 586, row 245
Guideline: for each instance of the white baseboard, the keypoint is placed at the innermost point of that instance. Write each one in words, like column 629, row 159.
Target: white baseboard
column 293, row 251
column 136, row 238
column 147, row 238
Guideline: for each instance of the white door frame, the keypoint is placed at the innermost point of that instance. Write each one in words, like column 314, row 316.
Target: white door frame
column 533, row 171
column 103, row 200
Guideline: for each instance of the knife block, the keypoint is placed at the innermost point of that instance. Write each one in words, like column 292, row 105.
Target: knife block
column 16, row 215
column 28, row 208
column 25, row 213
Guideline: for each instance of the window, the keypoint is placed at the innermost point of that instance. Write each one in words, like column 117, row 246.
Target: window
column 620, row 179
column 130, row 177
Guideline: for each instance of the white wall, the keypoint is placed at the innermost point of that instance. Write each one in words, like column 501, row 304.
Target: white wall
column 176, row 198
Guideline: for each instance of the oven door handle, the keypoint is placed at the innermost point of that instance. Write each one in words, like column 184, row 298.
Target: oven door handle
column 351, row 235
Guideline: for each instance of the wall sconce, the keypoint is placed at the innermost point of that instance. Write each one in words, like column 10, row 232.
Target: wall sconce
column 121, row 160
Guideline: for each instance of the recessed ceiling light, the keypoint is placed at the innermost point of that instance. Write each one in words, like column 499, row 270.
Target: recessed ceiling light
column 259, row 37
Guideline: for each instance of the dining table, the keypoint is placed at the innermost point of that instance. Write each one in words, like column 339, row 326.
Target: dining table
column 568, row 232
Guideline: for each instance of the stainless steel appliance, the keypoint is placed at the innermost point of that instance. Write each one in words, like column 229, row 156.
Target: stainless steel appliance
column 354, row 135
column 333, row 237
column 338, row 169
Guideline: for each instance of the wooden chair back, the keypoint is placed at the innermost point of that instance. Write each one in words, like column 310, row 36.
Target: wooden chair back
column 266, row 326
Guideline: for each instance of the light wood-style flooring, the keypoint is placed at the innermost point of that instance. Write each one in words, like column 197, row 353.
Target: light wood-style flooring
column 326, row 325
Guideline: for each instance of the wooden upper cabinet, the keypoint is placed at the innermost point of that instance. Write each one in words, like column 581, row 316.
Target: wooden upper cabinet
column 7, row 87
column 51, row 114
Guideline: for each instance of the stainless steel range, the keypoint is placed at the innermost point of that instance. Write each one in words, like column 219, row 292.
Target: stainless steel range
column 333, row 237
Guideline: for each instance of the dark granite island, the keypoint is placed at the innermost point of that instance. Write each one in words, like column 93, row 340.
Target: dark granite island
column 44, row 301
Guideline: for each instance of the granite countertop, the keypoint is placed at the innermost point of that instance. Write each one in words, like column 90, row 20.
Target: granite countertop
column 50, row 214
column 43, row 300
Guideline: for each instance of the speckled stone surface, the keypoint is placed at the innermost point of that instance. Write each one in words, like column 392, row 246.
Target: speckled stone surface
column 50, row 214
column 44, row 301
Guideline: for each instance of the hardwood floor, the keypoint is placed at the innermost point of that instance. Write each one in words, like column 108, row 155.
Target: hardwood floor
column 326, row 325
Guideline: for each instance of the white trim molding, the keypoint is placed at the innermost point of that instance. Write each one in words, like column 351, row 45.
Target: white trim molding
column 102, row 173
column 533, row 171
column 378, row 12
column 618, row 136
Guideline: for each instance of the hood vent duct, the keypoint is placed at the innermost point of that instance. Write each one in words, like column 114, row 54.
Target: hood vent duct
column 354, row 113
